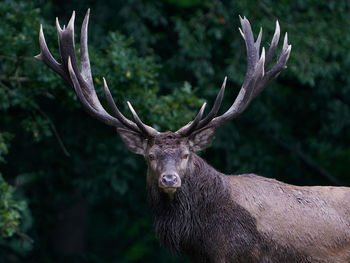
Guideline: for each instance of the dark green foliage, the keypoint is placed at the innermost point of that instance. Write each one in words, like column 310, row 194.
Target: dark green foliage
column 9, row 210
column 85, row 192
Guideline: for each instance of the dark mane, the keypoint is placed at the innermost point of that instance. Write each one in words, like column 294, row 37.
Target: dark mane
column 189, row 222
column 204, row 222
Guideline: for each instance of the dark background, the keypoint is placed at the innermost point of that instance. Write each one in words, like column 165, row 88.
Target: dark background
column 77, row 194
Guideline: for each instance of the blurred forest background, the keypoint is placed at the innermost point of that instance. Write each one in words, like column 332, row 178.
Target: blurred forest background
column 71, row 192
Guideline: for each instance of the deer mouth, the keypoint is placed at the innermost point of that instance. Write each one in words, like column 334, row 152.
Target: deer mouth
column 169, row 190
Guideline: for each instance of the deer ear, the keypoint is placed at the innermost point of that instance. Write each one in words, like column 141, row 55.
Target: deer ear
column 201, row 139
column 133, row 141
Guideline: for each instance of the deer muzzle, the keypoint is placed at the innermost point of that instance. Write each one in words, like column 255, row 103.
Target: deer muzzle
column 169, row 180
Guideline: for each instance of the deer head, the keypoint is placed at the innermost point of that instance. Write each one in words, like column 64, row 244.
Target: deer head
column 168, row 154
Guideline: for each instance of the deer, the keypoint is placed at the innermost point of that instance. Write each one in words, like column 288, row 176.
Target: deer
column 198, row 211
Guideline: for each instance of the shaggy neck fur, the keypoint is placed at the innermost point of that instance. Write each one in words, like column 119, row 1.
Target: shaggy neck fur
column 203, row 222
column 201, row 218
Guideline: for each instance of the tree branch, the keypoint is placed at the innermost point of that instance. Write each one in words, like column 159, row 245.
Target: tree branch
column 15, row 78
column 52, row 125
column 55, row 132
column 309, row 162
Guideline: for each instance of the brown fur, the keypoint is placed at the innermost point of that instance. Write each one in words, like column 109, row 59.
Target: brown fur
column 219, row 218
column 315, row 219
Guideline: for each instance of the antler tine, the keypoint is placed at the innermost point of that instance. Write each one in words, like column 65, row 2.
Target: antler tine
column 272, row 50
column 115, row 109
column 191, row 126
column 147, row 130
column 46, row 57
column 215, row 107
column 84, row 53
column 277, row 68
column 197, row 123
column 82, row 81
column 251, row 46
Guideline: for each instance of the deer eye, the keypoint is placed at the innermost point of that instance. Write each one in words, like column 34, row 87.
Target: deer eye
column 151, row 157
column 185, row 156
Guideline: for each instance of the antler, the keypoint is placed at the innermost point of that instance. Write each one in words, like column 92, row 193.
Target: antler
column 82, row 81
column 255, row 81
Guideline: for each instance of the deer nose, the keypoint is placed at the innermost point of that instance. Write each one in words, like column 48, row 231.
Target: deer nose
column 170, row 180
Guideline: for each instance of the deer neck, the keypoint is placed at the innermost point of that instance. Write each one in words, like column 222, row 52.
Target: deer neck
column 182, row 219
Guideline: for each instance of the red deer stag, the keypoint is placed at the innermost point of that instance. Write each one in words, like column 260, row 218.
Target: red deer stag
column 198, row 211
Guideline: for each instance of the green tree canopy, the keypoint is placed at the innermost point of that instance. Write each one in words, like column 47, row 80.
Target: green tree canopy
column 78, row 193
